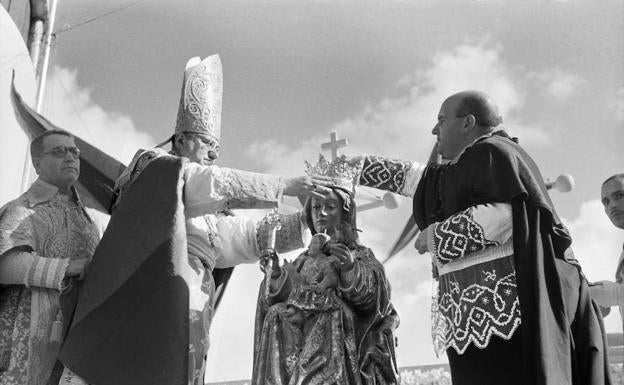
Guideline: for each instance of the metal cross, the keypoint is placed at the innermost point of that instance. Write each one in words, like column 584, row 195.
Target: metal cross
column 333, row 145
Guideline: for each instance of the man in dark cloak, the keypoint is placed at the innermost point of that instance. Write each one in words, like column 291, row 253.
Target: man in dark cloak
column 512, row 306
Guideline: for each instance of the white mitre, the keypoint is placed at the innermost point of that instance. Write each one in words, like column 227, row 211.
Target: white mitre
column 201, row 99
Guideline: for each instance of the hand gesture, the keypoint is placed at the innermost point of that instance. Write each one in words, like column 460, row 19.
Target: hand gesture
column 302, row 186
column 270, row 256
column 77, row 268
column 421, row 241
column 343, row 255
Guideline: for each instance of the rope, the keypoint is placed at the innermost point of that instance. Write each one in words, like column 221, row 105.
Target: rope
column 99, row 17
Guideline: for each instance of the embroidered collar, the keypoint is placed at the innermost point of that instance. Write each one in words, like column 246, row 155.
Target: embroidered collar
column 474, row 142
column 41, row 191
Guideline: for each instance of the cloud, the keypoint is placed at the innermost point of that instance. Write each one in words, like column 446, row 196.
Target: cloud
column 616, row 105
column 400, row 125
column 72, row 107
column 529, row 135
column 561, row 85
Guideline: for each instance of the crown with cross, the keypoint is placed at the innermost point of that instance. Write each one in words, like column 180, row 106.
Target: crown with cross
column 342, row 173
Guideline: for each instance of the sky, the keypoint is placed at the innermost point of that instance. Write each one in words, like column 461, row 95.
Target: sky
column 374, row 72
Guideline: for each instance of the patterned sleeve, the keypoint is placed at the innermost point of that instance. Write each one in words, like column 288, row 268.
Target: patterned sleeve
column 474, row 229
column 393, row 175
column 16, row 229
column 240, row 239
column 32, row 270
column 291, row 235
column 211, row 188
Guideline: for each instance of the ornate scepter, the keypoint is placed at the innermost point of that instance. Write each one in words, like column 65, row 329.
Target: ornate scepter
column 272, row 219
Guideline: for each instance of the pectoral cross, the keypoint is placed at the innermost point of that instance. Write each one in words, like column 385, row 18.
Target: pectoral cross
column 333, row 145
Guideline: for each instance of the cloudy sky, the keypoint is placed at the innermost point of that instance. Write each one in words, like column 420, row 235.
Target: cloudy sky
column 374, row 72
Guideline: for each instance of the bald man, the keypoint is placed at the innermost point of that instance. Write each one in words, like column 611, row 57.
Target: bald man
column 608, row 293
column 512, row 305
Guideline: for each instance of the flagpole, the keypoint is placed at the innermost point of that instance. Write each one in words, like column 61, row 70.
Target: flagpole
column 43, row 74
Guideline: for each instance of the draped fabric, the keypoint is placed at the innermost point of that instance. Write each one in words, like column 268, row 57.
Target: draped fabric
column 555, row 322
column 135, row 299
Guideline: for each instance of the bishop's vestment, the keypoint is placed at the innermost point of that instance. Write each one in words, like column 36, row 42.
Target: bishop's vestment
column 40, row 232
column 167, row 228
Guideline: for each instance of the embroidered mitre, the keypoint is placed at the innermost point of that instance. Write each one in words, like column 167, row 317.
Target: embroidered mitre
column 340, row 171
column 202, row 94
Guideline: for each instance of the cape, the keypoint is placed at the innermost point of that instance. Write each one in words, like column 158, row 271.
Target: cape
column 134, row 299
column 559, row 319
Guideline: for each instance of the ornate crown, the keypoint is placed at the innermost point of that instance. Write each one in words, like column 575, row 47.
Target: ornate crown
column 202, row 94
column 341, row 172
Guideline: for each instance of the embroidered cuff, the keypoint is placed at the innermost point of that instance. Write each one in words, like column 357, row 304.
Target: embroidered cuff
column 47, row 273
column 290, row 236
column 458, row 236
column 384, row 174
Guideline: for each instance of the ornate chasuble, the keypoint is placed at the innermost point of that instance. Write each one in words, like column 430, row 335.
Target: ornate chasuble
column 54, row 229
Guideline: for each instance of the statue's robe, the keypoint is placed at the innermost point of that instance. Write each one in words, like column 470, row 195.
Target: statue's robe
column 348, row 340
column 144, row 310
column 40, row 232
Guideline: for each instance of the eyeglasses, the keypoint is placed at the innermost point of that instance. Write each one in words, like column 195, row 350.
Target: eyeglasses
column 61, row 151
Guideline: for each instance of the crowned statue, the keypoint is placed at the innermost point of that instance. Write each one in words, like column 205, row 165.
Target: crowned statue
column 327, row 317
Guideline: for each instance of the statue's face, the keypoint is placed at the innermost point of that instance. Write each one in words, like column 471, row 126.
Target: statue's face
column 326, row 213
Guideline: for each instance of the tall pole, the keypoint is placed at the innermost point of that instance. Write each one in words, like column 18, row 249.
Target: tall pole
column 43, row 74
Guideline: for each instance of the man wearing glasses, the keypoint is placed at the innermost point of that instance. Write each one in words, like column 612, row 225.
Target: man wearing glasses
column 47, row 238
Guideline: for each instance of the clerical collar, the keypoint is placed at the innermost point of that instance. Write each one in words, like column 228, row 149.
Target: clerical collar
column 489, row 134
column 42, row 191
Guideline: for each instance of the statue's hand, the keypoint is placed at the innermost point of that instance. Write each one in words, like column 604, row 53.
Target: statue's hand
column 269, row 256
column 293, row 315
column 343, row 256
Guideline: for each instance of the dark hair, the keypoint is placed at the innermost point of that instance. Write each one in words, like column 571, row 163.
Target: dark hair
column 36, row 146
column 481, row 107
column 613, row 177
column 348, row 225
